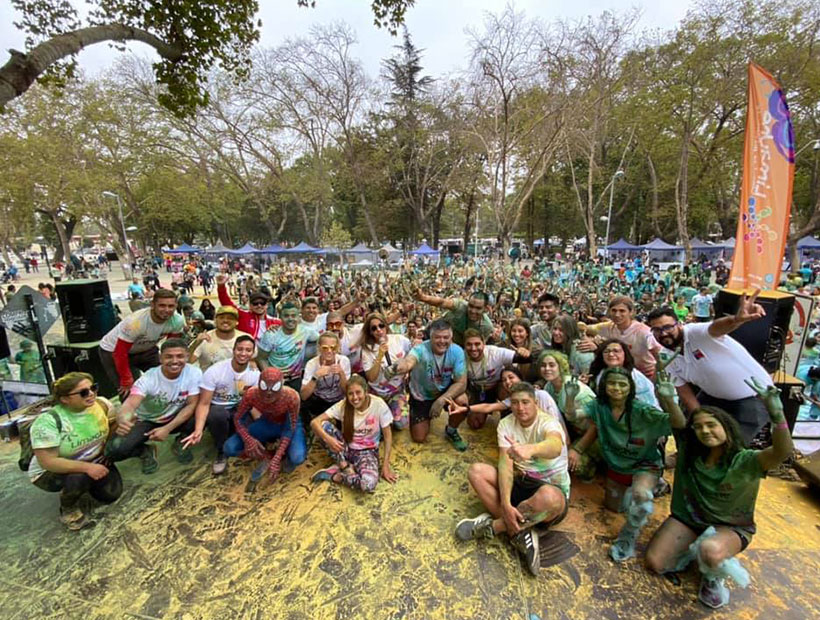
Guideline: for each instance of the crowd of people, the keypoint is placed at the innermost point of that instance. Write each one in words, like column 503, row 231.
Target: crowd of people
column 591, row 369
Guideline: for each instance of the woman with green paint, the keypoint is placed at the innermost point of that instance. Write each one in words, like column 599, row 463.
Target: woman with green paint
column 628, row 431
column 553, row 367
column 69, row 445
column 714, row 495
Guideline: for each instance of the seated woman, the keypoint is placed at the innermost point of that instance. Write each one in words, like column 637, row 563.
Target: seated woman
column 714, row 495
column 553, row 367
column 565, row 336
column 355, row 449
column 69, row 444
column 628, row 431
column 613, row 353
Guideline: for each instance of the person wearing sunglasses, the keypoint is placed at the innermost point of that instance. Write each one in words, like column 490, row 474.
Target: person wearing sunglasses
column 715, row 364
column 325, row 378
column 69, row 442
column 255, row 321
column 269, row 411
column 378, row 351
column 162, row 403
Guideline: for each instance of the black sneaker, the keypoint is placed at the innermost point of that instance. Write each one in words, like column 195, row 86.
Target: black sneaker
column 527, row 544
column 478, row 527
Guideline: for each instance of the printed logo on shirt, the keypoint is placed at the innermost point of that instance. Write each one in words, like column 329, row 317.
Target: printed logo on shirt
column 637, row 441
column 698, row 354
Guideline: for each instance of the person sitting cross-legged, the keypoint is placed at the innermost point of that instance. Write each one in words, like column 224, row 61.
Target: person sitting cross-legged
column 531, row 483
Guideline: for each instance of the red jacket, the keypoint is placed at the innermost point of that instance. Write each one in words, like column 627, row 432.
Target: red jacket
column 248, row 321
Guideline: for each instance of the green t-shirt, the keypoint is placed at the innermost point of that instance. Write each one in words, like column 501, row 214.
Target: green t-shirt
column 81, row 436
column 457, row 317
column 681, row 312
column 630, row 451
column 721, row 495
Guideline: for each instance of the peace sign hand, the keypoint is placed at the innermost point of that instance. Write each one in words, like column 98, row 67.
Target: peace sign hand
column 661, row 364
column 748, row 309
column 769, row 394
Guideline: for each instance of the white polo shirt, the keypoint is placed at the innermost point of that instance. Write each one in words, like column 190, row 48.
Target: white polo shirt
column 718, row 366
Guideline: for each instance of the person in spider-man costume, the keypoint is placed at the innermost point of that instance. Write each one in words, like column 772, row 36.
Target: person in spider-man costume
column 268, row 412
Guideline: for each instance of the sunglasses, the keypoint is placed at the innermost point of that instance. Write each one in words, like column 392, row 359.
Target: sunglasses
column 335, row 324
column 328, row 347
column 259, row 302
column 86, row 392
column 377, row 326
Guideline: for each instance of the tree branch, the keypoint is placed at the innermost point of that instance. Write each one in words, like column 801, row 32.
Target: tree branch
column 21, row 70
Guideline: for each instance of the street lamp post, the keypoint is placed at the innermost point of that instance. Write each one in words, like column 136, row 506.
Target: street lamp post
column 126, row 271
column 618, row 174
column 814, row 144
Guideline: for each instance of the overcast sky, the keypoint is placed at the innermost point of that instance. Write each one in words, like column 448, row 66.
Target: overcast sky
column 437, row 26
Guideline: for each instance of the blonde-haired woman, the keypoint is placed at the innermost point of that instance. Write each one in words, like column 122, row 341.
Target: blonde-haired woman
column 364, row 418
column 69, row 442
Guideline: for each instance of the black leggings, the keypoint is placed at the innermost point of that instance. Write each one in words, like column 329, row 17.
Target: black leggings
column 72, row 486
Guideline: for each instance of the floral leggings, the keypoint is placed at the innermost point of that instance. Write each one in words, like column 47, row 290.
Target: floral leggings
column 363, row 463
column 398, row 407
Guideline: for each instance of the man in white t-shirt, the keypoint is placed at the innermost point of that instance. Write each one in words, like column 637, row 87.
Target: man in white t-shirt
column 132, row 344
column 702, row 305
column 216, row 345
column 221, row 389
column 530, row 484
column 162, row 402
column 716, row 364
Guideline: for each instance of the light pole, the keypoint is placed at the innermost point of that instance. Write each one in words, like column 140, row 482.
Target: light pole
column 814, row 144
column 126, row 272
column 618, row 173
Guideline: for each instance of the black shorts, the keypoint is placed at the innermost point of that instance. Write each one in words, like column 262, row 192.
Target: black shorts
column 477, row 396
column 744, row 533
column 524, row 487
column 420, row 410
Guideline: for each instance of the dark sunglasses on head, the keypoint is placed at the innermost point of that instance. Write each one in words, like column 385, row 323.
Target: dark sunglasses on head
column 86, row 392
column 377, row 326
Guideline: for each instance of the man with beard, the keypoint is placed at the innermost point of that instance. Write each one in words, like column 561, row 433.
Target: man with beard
column 216, row 345
column 132, row 344
column 221, row 389
column 285, row 348
column 715, row 364
column 254, row 322
column 162, row 402
column 273, row 409
column 549, row 306
column 462, row 315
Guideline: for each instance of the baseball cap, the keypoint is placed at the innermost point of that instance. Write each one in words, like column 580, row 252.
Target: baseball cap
column 258, row 295
column 227, row 310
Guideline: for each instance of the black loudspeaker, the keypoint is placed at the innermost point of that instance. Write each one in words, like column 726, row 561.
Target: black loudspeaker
column 4, row 344
column 764, row 339
column 87, row 309
column 84, row 357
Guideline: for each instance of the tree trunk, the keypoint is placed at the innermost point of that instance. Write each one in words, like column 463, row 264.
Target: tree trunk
column 682, row 196
column 653, row 212
column 436, row 224
column 469, row 217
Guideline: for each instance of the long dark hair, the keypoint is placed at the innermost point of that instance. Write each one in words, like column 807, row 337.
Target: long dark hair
column 734, row 440
column 349, row 411
column 603, row 397
column 598, row 363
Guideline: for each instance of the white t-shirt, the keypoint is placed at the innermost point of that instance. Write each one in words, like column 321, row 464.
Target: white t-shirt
column 350, row 346
column 398, row 347
column 367, row 424
column 141, row 330
column 329, row 387
column 319, row 323
column 486, row 373
column 164, row 397
column 227, row 384
column 553, row 470
column 210, row 352
column 718, row 366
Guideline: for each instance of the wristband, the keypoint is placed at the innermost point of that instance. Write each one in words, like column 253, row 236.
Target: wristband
column 782, row 426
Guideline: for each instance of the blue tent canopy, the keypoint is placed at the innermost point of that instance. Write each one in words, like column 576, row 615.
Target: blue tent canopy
column 702, row 247
column 424, row 250
column 245, row 249
column 184, row 249
column 273, row 248
column 217, row 248
column 302, row 248
column 359, row 248
column 661, row 245
column 808, row 242
column 622, row 245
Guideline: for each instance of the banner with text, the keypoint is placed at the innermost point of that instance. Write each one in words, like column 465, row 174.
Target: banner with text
column 766, row 191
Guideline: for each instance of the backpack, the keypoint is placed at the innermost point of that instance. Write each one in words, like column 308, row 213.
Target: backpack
column 24, row 428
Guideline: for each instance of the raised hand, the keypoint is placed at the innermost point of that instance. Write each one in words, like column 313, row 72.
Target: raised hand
column 572, row 388
column 769, row 394
column 661, row 364
column 664, row 387
column 748, row 309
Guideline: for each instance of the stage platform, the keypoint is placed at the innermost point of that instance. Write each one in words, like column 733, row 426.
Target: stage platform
column 182, row 544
